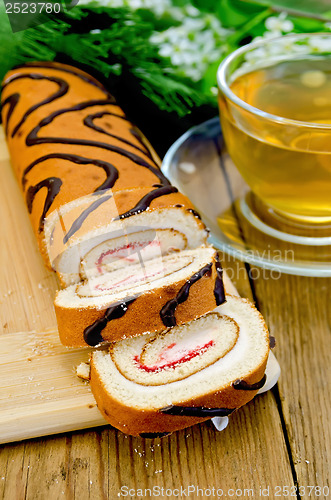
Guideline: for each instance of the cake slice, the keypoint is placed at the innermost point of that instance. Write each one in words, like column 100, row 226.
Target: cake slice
column 100, row 232
column 140, row 298
column 159, row 383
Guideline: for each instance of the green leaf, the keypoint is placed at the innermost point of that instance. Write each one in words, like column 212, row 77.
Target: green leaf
column 122, row 45
column 248, row 27
column 9, row 43
column 304, row 24
column 234, row 13
column 312, row 8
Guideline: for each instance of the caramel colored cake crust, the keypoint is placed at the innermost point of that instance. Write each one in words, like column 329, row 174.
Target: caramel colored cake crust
column 89, row 313
column 182, row 382
column 68, row 138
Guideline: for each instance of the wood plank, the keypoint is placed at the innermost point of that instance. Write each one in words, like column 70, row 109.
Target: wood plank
column 298, row 311
column 39, row 391
column 97, row 464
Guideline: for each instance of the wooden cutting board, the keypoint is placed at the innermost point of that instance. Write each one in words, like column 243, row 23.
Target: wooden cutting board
column 40, row 393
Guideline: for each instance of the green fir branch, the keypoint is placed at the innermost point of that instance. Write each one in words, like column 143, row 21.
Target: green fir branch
column 116, row 41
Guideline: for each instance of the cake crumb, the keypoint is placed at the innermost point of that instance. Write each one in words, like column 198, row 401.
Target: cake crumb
column 83, row 371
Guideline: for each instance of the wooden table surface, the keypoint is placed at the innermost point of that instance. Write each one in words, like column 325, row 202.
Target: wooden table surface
column 281, row 439
column 277, row 446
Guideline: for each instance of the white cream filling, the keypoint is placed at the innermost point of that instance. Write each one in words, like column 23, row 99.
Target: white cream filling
column 131, row 249
column 136, row 275
column 178, row 353
column 249, row 352
column 68, row 297
column 69, row 260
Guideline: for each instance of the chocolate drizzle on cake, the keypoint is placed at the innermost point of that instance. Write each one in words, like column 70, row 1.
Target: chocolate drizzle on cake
column 272, row 341
column 92, row 334
column 219, row 286
column 63, row 89
column 64, row 69
column 77, row 107
column 77, row 224
column 110, row 170
column 194, row 212
column 145, row 202
column 12, row 100
column 167, row 312
column 53, row 185
column 197, row 411
column 89, row 122
column 32, row 138
column 241, row 385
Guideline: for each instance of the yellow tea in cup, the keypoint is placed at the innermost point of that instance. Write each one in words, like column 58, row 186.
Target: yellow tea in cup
column 281, row 141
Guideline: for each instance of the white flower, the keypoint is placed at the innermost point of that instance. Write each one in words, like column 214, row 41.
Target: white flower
column 173, row 35
column 86, row 2
column 158, row 7
column 285, row 46
column 320, row 44
column 205, row 39
column 194, row 72
column 135, row 4
column 176, row 13
column 191, row 11
column 193, row 24
column 112, row 3
column 157, row 38
column 268, row 35
column 253, row 56
column 214, row 23
column 283, row 49
column 279, row 23
column 166, row 50
column 193, row 45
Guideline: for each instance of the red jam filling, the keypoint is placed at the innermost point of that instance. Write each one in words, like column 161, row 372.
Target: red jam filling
column 161, row 364
column 129, row 279
column 124, row 252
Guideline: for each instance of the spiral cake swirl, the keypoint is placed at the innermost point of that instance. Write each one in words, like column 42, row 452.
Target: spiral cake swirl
column 171, row 380
column 68, row 138
column 140, row 298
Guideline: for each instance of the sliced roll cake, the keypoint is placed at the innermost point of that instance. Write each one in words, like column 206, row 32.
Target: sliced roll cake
column 167, row 381
column 140, row 298
column 67, row 138
column 101, row 232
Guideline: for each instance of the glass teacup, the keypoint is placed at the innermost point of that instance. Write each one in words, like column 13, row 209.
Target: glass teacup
column 275, row 108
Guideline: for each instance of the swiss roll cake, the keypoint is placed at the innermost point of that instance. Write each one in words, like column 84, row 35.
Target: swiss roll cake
column 159, row 383
column 139, row 278
column 68, row 138
column 139, row 298
column 99, row 232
